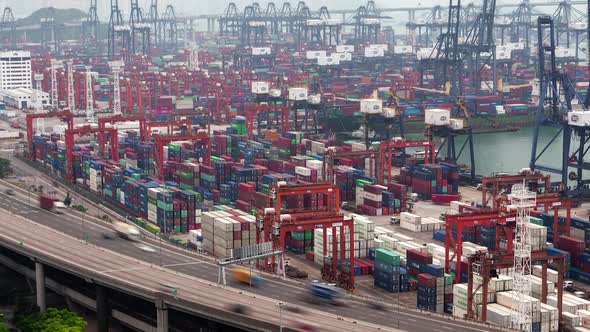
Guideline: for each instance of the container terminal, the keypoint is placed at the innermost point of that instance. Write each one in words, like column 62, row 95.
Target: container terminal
column 297, row 167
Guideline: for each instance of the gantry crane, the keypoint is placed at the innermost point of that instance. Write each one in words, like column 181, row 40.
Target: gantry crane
column 485, row 264
column 388, row 148
column 274, row 223
column 65, row 115
column 161, row 140
column 69, row 138
column 567, row 115
column 102, row 121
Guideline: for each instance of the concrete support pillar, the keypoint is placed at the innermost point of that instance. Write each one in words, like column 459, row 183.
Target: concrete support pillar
column 102, row 308
column 40, row 289
column 162, row 316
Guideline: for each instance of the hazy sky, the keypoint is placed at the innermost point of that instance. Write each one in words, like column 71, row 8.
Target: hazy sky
column 188, row 7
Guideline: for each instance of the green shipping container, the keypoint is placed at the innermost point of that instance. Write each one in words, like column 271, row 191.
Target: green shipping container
column 298, row 235
column 448, row 279
column 536, row 221
column 387, row 257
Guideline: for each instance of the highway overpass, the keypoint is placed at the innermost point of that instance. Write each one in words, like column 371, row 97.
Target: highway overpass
column 111, row 270
column 79, row 226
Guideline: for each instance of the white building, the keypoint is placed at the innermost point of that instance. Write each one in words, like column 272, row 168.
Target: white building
column 15, row 70
column 25, row 98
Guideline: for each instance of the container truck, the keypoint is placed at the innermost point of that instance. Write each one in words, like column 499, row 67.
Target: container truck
column 126, row 231
column 245, row 276
column 51, row 203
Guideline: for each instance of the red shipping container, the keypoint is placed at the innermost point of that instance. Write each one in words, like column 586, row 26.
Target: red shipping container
column 444, row 198
column 413, row 271
column 419, row 256
column 426, row 280
column 373, row 189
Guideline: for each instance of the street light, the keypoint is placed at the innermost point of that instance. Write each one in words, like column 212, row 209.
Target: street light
column 160, row 237
column 281, row 305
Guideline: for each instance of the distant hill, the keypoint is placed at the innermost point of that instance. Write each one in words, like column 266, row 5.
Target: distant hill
column 61, row 16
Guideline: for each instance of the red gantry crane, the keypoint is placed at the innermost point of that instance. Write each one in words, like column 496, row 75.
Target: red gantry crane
column 486, row 264
column 160, row 141
column 169, row 125
column 386, row 153
column 122, row 118
column 494, row 184
column 274, row 223
column 66, row 115
column 70, row 133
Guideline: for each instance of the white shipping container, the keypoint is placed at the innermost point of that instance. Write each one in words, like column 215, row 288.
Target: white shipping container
column 261, row 51
column 460, row 291
column 297, row 94
column 578, row 118
column 328, row 61
column 260, row 87
column 552, row 275
column 497, row 314
column 410, row 218
column 411, row 227
column 584, row 318
column 459, row 312
column 400, row 237
column 371, row 52
column 304, row 171
column 572, row 319
column 312, row 55
column 383, row 47
column 506, row 299
column 345, row 56
column 457, row 124
column 437, row 117
column 371, row 106
column 403, row 49
column 345, row 48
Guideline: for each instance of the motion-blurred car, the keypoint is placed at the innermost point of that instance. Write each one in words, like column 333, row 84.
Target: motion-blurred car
column 325, row 293
column 145, row 247
column 305, row 325
column 239, row 309
column 246, row 276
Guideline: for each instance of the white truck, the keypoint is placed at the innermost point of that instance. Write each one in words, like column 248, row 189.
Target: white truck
column 126, row 231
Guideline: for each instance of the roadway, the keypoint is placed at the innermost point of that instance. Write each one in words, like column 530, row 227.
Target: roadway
column 138, row 277
column 82, row 226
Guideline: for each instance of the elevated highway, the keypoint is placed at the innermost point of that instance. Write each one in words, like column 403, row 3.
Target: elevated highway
column 80, row 226
column 48, row 247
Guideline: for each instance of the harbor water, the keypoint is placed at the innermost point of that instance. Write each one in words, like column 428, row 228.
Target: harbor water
column 509, row 151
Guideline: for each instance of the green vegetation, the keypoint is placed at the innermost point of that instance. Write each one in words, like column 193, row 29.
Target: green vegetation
column 3, row 324
column 80, row 208
column 5, row 168
column 54, row 320
column 61, row 16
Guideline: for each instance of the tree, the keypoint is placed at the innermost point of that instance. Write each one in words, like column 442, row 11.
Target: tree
column 54, row 320
column 68, row 199
column 3, row 324
column 5, row 169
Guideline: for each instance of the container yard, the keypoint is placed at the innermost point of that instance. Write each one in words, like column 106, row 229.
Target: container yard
column 338, row 152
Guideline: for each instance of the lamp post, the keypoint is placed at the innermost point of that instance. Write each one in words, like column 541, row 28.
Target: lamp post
column 280, row 305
